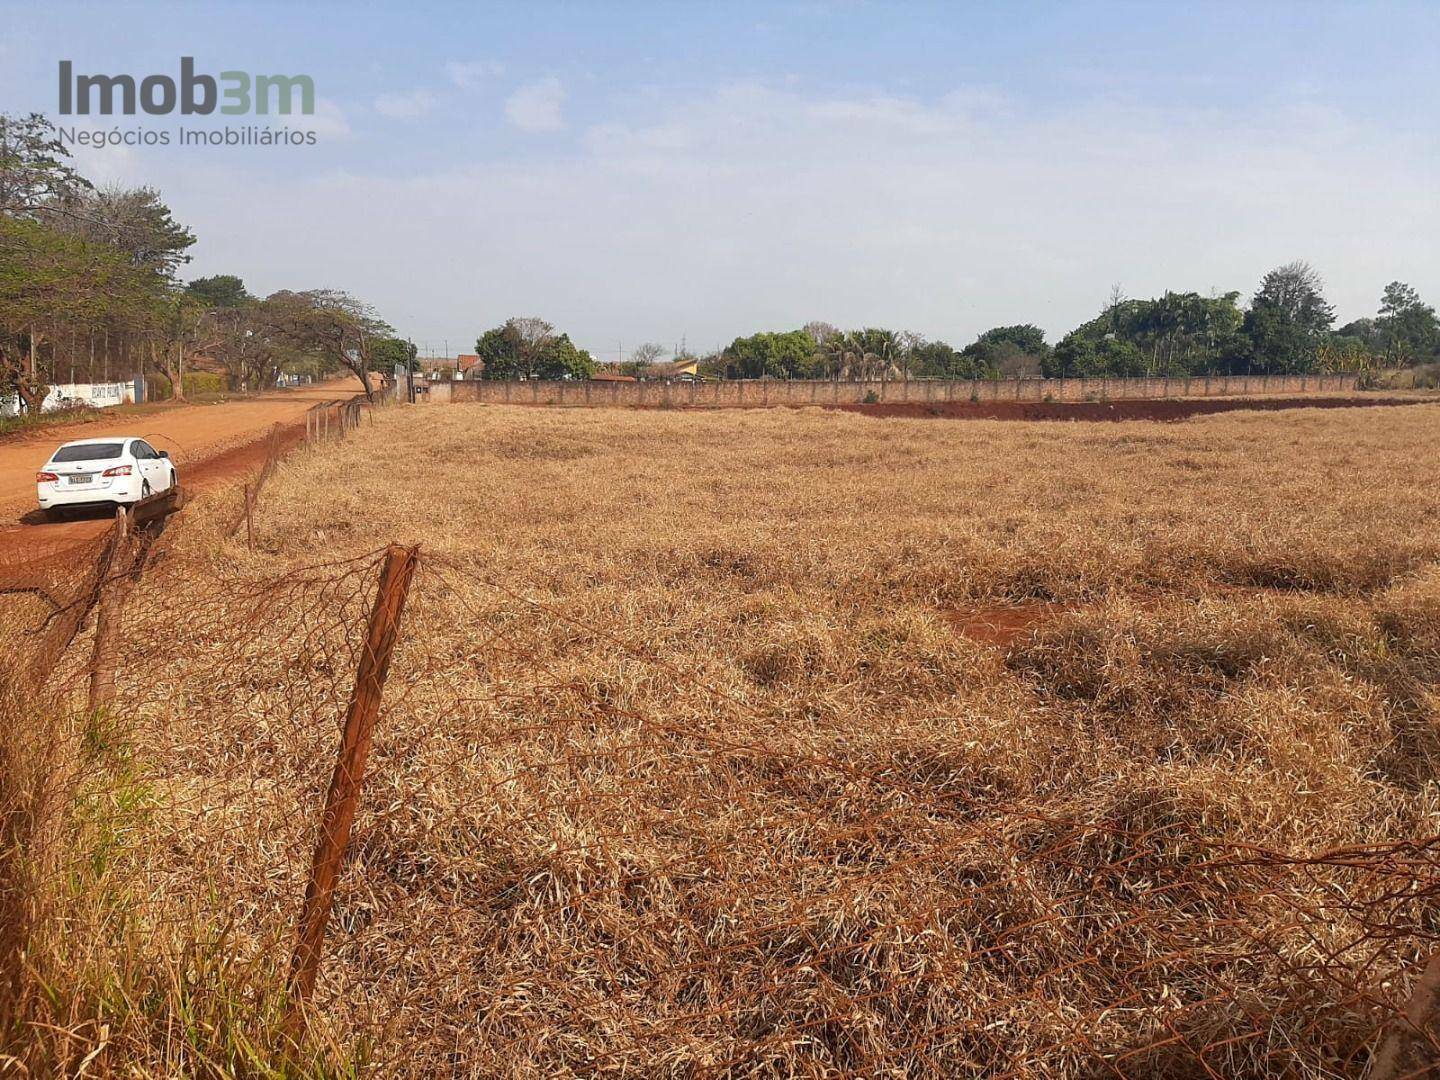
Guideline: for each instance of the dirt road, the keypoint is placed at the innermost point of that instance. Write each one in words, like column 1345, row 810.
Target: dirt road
column 212, row 446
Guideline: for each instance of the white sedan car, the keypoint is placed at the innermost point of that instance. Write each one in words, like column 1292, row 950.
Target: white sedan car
column 116, row 471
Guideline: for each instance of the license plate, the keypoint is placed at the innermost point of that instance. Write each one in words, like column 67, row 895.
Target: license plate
column 81, row 478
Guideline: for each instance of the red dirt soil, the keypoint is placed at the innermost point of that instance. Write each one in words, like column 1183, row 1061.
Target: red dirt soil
column 1000, row 625
column 1168, row 409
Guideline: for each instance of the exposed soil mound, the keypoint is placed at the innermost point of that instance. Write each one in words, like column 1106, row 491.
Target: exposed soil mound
column 1000, row 625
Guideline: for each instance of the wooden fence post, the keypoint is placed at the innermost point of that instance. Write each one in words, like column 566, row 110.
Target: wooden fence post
column 108, row 624
column 65, row 623
column 349, row 773
column 1416, row 1022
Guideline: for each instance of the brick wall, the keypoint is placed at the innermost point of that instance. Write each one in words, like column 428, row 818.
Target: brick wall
column 776, row 392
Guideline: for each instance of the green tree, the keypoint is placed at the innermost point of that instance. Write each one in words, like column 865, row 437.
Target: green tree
column 1174, row 334
column 220, row 291
column 1406, row 326
column 390, row 353
column 1364, row 331
column 561, row 359
column 529, row 349
column 936, row 359
column 1181, row 333
column 1081, row 356
column 50, row 280
column 499, row 352
column 886, row 348
column 1288, row 319
column 133, row 220
column 1008, row 350
column 1027, row 337
column 1339, row 352
column 177, row 324
column 868, row 353
column 331, row 324
column 254, row 341
column 785, row 355
column 34, row 173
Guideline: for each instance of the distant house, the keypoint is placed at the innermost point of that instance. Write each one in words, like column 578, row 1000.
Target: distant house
column 464, row 366
column 676, row 369
column 611, row 376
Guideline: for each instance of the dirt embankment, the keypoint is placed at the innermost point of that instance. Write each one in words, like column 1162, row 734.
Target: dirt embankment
column 1157, row 409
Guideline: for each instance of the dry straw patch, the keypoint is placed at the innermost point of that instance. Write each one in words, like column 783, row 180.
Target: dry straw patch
column 685, row 767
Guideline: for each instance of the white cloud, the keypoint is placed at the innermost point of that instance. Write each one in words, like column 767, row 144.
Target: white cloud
column 406, row 106
column 329, row 120
column 754, row 207
column 536, row 106
column 469, row 74
column 949, row 116
column 105, row 165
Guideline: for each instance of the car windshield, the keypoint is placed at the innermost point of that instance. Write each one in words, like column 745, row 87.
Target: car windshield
column 97, row 451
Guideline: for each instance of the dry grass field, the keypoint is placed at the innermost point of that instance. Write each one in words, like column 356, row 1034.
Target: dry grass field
column 786, row 743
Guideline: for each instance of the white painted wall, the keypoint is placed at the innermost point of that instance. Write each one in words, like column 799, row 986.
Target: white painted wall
column 99, row 395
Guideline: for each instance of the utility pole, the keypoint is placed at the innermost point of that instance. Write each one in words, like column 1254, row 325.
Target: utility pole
column 410, row 370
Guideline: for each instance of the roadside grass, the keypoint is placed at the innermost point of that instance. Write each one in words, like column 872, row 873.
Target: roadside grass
column 28, row 422
column 102, row 984
column 1419, row 377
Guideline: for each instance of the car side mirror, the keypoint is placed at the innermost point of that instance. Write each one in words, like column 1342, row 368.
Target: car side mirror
column 164, row 453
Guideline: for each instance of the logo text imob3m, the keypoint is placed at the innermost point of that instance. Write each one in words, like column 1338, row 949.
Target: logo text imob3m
column 236, row 93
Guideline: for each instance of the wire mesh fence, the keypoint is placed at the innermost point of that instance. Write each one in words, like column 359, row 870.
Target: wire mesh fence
column 637, row 870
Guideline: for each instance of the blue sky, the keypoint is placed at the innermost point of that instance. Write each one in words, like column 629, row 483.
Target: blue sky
column 657, row 171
